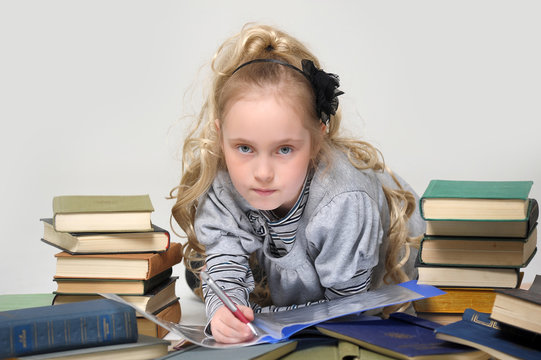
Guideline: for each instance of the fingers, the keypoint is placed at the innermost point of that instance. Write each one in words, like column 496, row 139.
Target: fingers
column 248, row 312
column 226, row 328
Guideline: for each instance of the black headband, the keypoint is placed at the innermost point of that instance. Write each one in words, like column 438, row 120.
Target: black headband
column 275, row 61
column 325, row 85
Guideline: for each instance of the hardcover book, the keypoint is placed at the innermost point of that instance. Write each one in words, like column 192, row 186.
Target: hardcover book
column 156, row 299
column 462, row 276
column 519, row 307
column 328, row 348
column 117, row 266
column 170, row 313
column 401, row 336
column 144, row 348
column 440, row 318
column 102, row 213
column 456, row 300
column 71, row 326
column 488, row 228
column 117, row 286
column 498, row 252
column 156, row 240
column 477, row 330
column 343, row 350
column 475, row 200
column 273, row 327
column 255, row 352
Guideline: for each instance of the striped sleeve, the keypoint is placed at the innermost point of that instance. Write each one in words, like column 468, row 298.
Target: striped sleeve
column 359, row 283
column 232, row 273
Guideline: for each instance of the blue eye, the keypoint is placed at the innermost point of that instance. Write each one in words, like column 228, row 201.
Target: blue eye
column 284, row 150
column 244, row 149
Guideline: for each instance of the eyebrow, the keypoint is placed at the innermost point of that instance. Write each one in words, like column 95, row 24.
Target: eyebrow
column 282, row 141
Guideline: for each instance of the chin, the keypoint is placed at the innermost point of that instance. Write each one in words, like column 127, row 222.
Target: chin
column 263, row 205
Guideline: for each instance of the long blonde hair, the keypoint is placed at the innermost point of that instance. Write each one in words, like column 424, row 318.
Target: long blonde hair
column 202, row 156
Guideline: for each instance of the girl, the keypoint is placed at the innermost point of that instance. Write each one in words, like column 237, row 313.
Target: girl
column 269, row 186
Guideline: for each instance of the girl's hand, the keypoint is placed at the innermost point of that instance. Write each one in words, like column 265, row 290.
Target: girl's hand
column 226, row 328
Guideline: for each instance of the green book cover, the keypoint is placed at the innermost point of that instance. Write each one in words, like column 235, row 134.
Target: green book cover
column 101, row 203
column 23, row 301
column 475, row 200
column 478, row 189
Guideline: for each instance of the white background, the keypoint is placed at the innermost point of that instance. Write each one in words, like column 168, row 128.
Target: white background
column 92, row 95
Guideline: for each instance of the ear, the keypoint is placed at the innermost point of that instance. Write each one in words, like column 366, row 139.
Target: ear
column 323, row 128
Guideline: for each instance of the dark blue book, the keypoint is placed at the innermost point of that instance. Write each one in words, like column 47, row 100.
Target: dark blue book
column 478, row 330
column 401, row 336
column 65, row 327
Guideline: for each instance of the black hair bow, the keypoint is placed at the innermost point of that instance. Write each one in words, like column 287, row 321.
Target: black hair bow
column 325, row 87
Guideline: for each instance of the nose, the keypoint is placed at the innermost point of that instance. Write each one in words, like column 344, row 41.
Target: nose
column 264, row 171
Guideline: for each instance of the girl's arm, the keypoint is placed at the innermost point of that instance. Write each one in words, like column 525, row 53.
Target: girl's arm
column 233, row 275
column 359, row 283
column 345, row 237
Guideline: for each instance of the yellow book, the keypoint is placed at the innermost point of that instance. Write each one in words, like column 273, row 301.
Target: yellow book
column 457, row 300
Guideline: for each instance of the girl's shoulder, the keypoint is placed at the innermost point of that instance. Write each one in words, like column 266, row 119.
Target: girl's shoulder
column 223, row 191
column 340, row 176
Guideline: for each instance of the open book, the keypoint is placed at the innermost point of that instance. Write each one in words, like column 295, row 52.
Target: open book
column 275, row 326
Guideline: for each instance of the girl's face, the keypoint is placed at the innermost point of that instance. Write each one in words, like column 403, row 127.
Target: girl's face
column 267, row 150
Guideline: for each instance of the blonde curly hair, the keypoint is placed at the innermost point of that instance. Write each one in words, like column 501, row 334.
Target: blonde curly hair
column 202, row 155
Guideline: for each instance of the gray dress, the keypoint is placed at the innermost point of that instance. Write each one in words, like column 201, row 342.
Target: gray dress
column 342, row 230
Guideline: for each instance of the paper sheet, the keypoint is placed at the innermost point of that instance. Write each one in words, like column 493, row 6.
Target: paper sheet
column 276, row 326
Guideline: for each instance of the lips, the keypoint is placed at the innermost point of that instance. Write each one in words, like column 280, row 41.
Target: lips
column 264, row 192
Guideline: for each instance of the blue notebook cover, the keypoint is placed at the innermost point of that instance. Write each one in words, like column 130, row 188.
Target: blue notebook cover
column 64, row 327
column 480, row 331
column 401, row 335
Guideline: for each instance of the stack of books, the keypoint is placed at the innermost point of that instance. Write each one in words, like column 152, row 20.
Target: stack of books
column 511, row 331
column 109, row 245
column 479, row 235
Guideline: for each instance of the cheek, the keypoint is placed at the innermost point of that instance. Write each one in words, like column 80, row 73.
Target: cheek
column 234, row 164
column 299, row 168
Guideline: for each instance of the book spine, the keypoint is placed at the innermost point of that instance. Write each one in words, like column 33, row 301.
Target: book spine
column 165, row 260
column 26, row 336
column 171, row 313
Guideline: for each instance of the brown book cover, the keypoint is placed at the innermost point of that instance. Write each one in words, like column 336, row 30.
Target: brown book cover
column 119, row 266
column 171, row 312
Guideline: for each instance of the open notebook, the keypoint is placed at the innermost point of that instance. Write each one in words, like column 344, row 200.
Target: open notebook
column 275, row 326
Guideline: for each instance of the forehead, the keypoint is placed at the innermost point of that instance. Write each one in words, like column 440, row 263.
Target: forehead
column 265, row 118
